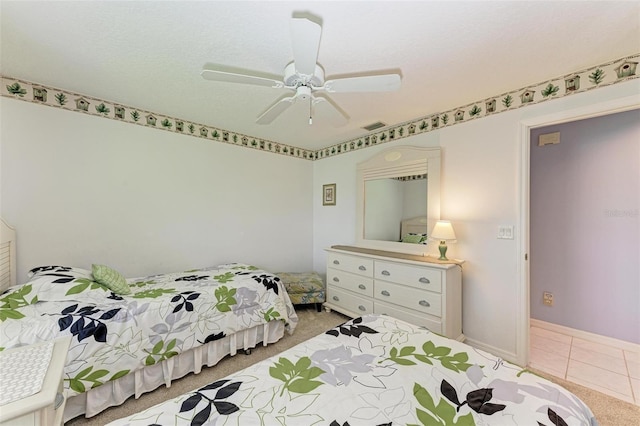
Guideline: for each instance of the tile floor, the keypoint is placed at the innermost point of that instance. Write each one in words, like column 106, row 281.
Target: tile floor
column 607, row 369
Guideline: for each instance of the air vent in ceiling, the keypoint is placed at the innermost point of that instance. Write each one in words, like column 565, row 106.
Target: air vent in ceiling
column 374, row 126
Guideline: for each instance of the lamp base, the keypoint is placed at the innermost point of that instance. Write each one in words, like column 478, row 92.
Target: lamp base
column 443, row 251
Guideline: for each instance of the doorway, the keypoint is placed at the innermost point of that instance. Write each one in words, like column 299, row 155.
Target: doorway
column 526, row 126
column 584, row 251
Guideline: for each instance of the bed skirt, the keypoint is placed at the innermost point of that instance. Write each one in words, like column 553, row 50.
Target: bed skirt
column 152, row 377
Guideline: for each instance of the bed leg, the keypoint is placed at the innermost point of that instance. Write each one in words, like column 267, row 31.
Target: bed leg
column 247, row 351
column 319, row 307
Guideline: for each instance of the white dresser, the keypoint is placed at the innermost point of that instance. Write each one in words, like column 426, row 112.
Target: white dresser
column 419, row 290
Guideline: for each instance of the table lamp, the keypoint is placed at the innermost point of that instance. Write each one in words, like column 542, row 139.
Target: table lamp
column 443, row 231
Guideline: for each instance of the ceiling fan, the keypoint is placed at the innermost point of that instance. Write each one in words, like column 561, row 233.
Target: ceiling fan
column 305, row 77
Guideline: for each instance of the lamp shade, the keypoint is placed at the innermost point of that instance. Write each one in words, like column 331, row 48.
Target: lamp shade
column 443, row 231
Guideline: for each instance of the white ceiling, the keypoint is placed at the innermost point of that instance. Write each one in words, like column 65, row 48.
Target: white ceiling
column 149, row 54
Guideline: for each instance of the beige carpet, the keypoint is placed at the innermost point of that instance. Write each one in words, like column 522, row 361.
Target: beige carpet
column 609, row 411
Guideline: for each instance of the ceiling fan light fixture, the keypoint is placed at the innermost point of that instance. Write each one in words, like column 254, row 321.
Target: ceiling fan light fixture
column 305, row 77
column 293, row 79
column 303, row 93
column 374, row 126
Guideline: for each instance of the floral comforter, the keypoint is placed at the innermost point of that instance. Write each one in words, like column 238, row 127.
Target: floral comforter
column 375, row 370
column 164, row 315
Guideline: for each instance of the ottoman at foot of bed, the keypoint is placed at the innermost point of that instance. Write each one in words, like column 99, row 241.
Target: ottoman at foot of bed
column 304, row 288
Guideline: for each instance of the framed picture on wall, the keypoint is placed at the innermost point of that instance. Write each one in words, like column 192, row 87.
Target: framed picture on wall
column 329, row 194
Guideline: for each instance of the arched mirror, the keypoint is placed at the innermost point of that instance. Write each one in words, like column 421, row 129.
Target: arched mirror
column 398, row 199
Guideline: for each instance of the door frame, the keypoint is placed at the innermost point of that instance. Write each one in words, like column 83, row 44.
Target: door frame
column 525, row 126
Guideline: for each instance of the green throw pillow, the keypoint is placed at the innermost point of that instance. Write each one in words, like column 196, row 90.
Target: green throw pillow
column 110, row 278
column 413, row 239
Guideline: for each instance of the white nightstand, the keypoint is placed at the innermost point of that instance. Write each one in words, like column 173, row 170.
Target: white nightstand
column 45, row 407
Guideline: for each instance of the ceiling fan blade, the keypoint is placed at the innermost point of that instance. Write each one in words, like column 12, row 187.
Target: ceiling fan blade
column 336, row 116
column 371, row 83
column 305, row 37
column 233, row 77
column 275, row 110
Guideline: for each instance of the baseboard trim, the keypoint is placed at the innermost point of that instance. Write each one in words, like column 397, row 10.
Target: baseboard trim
column 508, row 356
column 585, row 335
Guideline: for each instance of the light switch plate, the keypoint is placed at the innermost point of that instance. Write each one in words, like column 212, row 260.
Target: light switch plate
column 505, row 232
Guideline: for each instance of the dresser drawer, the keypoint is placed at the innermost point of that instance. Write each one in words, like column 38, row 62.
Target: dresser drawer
column 351, row 302
column 353, row 264
column 412, row 298
column 432, row 323
column 414, row 276
column 351, row 282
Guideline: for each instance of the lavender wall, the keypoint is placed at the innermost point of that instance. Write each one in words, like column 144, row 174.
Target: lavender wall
column 585, row 232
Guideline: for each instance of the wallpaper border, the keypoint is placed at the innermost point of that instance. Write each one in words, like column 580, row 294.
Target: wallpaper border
column 76, row 102
column 603, row 75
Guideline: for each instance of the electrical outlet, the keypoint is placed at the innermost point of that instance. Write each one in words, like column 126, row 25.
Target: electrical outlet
column 547, row 298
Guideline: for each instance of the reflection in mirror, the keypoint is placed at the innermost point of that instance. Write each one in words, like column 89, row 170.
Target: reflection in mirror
column 389, row 202
column 398, row 199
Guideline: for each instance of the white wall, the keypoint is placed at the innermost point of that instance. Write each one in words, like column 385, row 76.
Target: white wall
column 82, row 190
column 480, row 190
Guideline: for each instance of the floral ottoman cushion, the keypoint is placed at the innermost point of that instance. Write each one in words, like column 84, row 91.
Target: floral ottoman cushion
column 303, row 287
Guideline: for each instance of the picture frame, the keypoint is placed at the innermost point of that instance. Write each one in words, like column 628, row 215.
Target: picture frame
column 329, row 194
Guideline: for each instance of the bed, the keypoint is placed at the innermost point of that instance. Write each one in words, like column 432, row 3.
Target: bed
column 374, row 370
column 168, row 325
column 414, row 230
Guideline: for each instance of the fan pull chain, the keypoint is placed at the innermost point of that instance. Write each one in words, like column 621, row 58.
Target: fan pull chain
column 310, row 119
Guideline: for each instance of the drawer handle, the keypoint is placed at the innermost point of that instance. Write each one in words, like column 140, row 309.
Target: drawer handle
column 424, row 303
column 362, row 268
column 424, row 280
column 362, row 287
column 336, row 262
column 336, row 279
column 336, row 298
column 385, row 293
column 385, row 272
column 362, row 308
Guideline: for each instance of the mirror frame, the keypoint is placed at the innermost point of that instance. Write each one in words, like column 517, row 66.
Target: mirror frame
column 394, row 162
